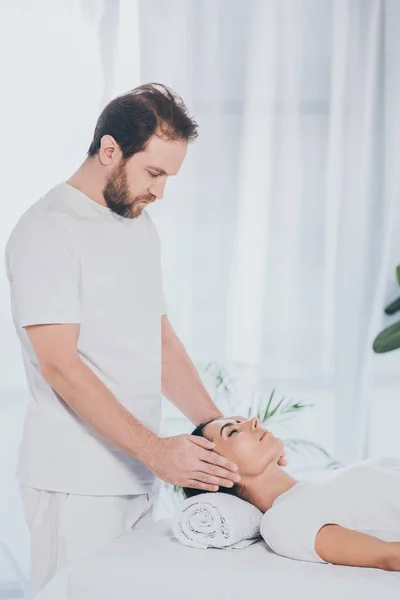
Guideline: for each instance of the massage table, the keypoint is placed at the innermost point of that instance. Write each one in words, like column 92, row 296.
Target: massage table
column 150, row 564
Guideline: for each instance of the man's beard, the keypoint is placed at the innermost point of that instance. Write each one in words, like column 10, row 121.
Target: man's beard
column 118, row 197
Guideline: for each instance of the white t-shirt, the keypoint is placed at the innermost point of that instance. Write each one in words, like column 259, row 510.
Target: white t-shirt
column 72, row 260
column 364, row 497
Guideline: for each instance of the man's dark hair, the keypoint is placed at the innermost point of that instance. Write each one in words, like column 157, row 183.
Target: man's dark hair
column 189, row 492
column 134, row 117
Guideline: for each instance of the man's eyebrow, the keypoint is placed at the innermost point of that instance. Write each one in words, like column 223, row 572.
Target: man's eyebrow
column 227, row 425
column 157, row 169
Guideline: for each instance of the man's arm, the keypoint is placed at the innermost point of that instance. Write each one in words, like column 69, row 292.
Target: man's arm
column 181, row 383
column 341, row 546
column 59, row 362
column 183, row 460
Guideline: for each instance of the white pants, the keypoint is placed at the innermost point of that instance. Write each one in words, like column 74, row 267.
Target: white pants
column 66, row 527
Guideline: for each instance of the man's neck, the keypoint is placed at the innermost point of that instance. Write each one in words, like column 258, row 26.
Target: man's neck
column 264, row 489
column 90, row 180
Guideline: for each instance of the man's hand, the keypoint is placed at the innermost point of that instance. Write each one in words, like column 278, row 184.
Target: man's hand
column 187, row 461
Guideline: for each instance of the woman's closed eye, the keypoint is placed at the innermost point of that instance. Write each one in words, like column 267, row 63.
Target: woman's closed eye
column 232, row 431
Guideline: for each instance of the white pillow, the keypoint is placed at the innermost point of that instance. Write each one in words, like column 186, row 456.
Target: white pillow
column 216, row 520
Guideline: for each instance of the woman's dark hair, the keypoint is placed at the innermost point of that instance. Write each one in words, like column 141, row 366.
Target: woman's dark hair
column 189, row 492
column 134, row 117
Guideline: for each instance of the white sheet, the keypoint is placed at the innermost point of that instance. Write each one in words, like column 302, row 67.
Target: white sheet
column 150, row 564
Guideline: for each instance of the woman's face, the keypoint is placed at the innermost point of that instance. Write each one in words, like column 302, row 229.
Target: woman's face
column 251, row 447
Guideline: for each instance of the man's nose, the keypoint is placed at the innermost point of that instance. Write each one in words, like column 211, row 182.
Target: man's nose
column 158, row 190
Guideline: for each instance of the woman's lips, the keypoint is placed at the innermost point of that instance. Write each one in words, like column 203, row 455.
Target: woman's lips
column 264, row 434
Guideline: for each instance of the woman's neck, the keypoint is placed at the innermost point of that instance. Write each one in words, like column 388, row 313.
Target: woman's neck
column 262, row 490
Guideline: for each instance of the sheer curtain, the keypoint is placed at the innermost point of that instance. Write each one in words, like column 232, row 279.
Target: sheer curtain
column 58, row 62
column 280, row 234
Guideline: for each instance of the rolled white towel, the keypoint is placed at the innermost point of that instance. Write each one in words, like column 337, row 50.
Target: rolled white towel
column 216, row 520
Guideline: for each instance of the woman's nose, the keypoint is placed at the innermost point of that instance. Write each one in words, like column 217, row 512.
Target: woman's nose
column 255, row 423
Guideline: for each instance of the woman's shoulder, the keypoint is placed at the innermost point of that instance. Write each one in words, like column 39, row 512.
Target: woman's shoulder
column 293, row 495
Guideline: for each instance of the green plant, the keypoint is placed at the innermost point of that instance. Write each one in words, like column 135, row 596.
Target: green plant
column 241, row 380
column 389, row 339
column 281, row 410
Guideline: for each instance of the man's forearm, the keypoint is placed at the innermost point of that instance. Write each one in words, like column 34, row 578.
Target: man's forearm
column 181, row 383
column 93, row 402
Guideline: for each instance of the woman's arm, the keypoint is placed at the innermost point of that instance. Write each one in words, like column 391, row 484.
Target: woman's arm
column 341, row 546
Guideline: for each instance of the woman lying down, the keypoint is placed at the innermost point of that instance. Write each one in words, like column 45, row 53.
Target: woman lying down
column 325, row 522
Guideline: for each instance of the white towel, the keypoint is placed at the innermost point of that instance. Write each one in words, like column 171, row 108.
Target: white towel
column 216, row 520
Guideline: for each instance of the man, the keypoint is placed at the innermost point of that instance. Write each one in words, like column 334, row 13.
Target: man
column 86, row 293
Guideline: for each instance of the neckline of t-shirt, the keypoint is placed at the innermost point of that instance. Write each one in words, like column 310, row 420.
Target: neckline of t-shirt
column 292, row 490
column 100, row 208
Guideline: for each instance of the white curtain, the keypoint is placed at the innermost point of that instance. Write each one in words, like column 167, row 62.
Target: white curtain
column 281, row 233
column 59, row 63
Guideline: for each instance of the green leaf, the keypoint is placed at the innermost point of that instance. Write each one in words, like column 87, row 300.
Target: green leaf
column 291, row 407
column 221, row 376
column 275, row 409
column 266, row 413
column 393, row 307
column 398, row 274
column 388, row 339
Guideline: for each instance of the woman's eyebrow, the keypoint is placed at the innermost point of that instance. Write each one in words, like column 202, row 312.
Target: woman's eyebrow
column 227, row 425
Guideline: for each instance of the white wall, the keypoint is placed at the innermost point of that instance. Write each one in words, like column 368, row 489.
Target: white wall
column 60, row 63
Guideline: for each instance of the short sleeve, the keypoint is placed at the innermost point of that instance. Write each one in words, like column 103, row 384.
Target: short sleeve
column 161, row 294
column 44, row 272
column 290, row 529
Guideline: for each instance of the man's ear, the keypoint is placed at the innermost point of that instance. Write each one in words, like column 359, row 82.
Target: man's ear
column 109, row 152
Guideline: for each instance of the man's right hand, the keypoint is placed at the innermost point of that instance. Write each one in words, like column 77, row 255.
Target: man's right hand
column 188, row 461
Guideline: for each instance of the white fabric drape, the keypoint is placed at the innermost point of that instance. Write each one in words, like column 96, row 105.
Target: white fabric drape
column 59, row 63
column 279, row 235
